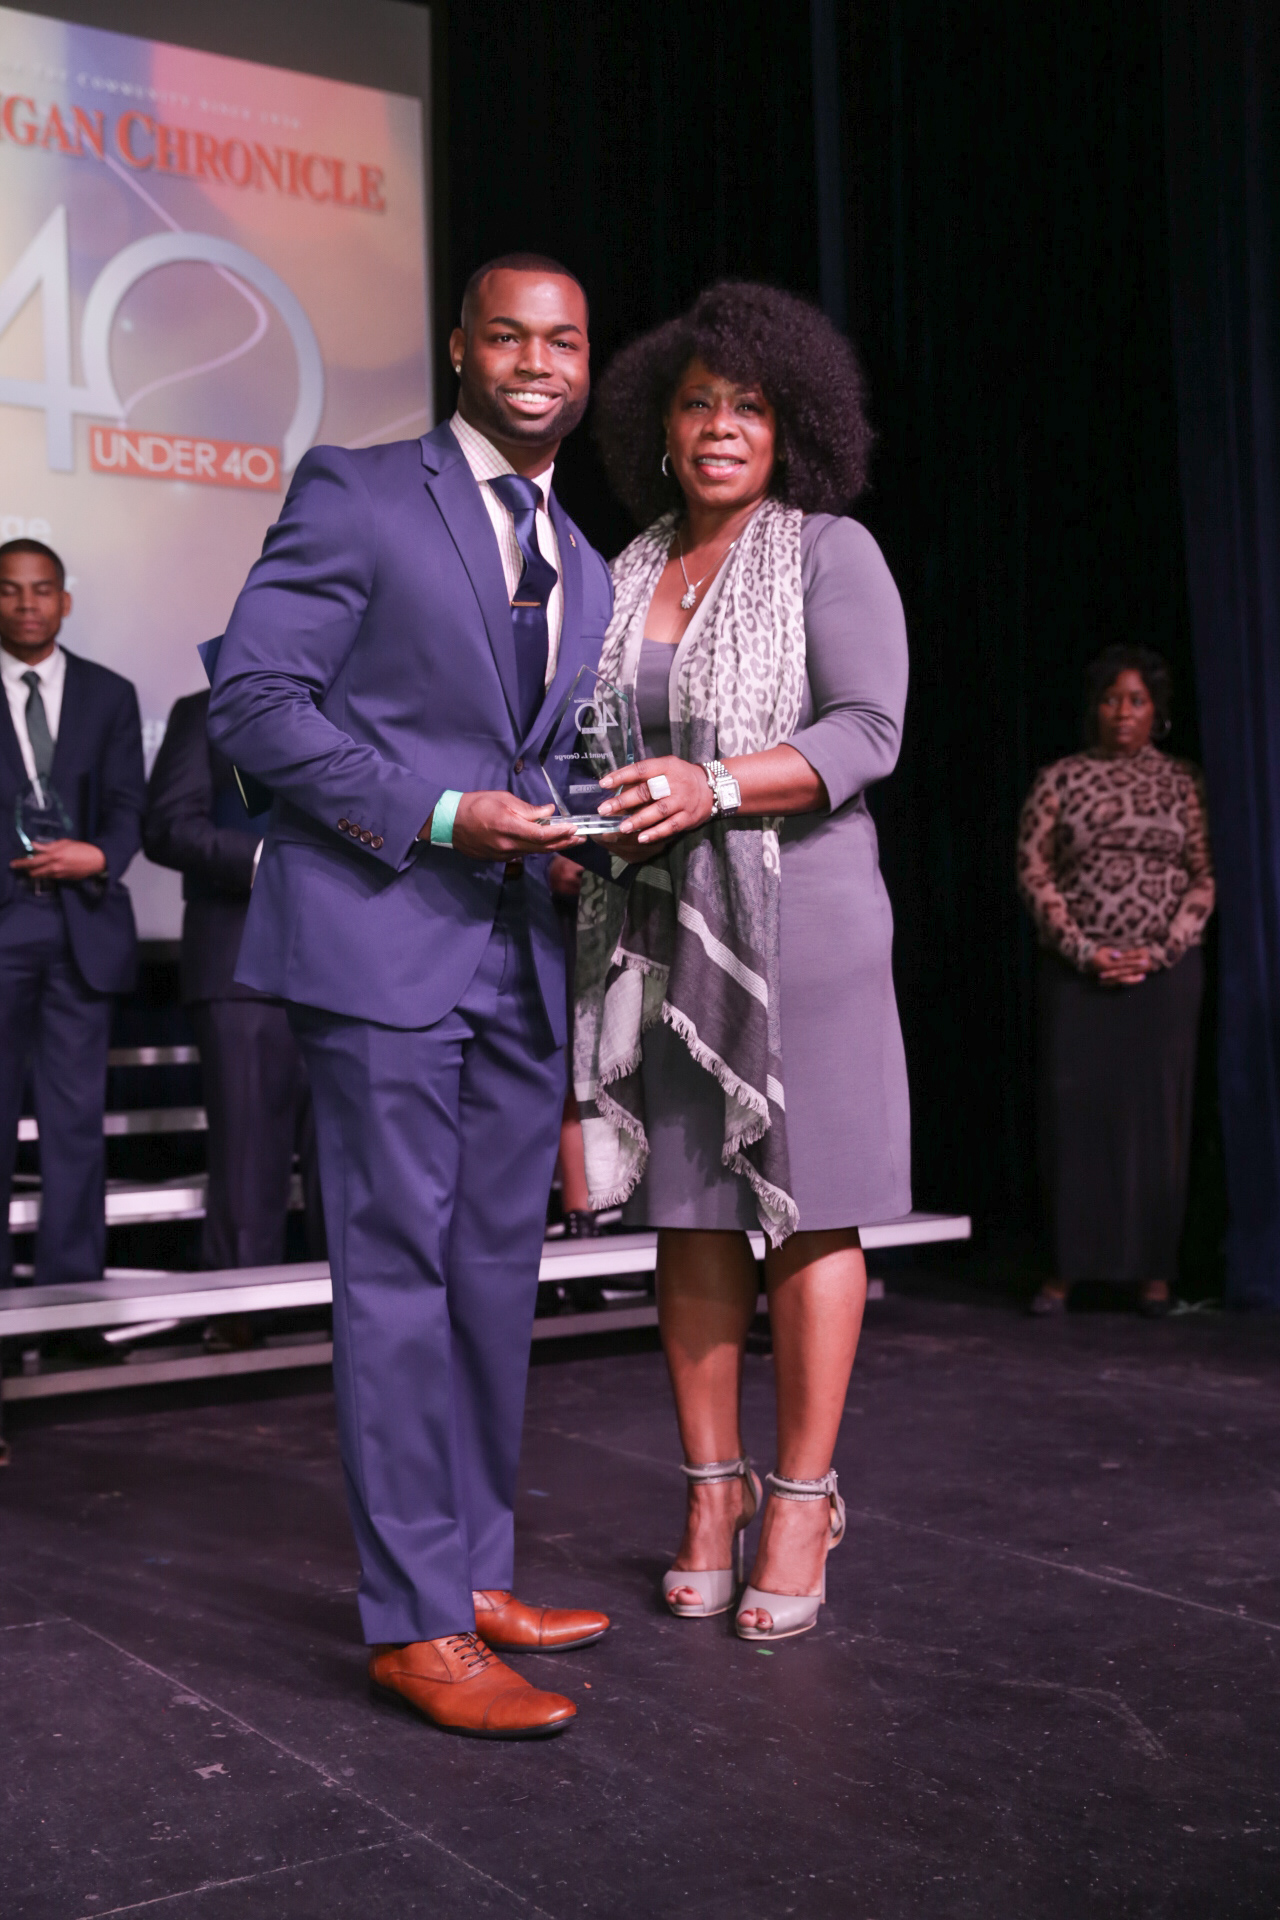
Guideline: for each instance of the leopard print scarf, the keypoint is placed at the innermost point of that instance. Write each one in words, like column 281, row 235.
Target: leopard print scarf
column 695, row 940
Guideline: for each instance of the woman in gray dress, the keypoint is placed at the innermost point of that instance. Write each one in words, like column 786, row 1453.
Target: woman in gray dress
column 738, row 1059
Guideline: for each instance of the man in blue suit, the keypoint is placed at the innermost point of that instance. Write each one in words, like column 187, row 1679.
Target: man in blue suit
column 390, row 672
column 67, row 940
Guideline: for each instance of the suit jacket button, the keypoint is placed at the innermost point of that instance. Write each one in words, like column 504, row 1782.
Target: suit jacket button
column 343, row 825
column 519, row 766
column 367, row 838
column 354, row 831
column 376, row 842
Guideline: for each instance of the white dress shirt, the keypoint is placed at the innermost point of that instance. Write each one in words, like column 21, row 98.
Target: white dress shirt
column 52, row 671
column 486, row 463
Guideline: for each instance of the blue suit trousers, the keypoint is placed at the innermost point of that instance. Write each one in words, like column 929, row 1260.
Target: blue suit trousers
column 58, row 1027
column 436, row 1152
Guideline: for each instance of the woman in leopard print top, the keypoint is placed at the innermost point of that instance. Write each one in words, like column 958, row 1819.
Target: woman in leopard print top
column 1114, row 864
column 1113, row 854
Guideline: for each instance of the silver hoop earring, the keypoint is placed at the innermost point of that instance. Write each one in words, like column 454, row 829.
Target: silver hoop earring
column 666, row 464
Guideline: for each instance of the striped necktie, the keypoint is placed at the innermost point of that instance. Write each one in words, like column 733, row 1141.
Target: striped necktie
column 533, row 590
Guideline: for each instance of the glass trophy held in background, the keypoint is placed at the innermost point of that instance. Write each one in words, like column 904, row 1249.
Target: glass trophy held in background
column 604, row 737
column 41, row 817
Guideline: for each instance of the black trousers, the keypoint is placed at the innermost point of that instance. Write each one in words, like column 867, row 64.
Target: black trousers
column 259, row 1107
column 57, row 1028
column 1116, row 1077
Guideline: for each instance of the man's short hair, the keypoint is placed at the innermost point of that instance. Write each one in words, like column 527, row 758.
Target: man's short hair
column 518, row 263
column 37, row 546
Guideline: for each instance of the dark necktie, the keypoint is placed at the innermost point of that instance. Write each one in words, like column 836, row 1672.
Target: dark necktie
column 38, row 728
column 533, row 590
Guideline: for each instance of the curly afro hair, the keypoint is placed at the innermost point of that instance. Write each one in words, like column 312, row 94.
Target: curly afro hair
column 1153, row 669
column 754, row 335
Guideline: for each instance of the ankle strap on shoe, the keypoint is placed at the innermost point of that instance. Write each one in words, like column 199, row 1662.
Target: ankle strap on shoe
column 824, row 1489
column 717, row 1470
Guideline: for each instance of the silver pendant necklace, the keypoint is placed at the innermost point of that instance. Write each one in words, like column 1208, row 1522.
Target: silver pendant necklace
column 689, row 598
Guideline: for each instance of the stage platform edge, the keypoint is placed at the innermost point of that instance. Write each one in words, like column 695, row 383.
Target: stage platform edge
column 128, row 1297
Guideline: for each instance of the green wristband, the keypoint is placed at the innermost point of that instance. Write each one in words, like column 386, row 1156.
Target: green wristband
column 442, row 819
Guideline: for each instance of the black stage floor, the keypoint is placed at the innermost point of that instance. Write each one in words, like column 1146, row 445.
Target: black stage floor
column 1045, row 1684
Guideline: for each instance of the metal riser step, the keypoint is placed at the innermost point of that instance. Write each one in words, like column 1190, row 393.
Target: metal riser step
column 138, row 1120
column 135, row 1203
column 288, row 1355
column 128, row 1298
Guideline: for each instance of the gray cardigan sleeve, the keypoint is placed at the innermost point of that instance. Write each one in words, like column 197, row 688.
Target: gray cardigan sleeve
column 856, row 657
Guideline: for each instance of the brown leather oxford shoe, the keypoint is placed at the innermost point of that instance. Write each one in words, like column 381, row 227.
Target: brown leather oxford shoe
column 504, row 1622
column 460, row 1686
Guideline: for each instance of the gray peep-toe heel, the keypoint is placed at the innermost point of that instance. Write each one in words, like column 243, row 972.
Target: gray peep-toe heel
column 793, row 1613
column 715, row 1586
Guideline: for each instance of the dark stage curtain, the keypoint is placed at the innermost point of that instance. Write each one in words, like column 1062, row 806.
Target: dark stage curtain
column 986, row 195
column 1008, row 284
column 1222, row 89
column 652, row 148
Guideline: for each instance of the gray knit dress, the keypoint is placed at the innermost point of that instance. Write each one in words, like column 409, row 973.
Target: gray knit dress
column 848, row 1115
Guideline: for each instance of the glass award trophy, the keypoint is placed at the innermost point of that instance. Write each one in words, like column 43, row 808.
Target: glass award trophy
column 40, row 817
column 604, row 738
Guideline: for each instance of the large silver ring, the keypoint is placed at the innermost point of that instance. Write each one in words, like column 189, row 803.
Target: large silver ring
column 659, row 786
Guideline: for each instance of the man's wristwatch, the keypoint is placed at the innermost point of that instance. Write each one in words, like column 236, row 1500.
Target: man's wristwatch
column 726, row 794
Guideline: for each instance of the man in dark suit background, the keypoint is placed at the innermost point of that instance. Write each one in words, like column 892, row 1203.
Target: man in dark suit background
column 255, row 1084
column 397, row 661
column 67, row 937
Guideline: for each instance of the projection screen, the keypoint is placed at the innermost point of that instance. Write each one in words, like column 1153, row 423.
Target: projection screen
column 206, row 266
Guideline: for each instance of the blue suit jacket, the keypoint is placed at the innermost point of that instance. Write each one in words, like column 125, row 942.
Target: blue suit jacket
column 368, row 666
column 98, row 775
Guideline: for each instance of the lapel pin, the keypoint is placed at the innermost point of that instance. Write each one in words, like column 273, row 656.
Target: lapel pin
column 572, row 541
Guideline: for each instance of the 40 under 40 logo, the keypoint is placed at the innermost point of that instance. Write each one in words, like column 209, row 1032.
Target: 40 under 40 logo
column 116, row 447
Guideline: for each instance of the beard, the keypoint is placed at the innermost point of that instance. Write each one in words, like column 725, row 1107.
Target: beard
column 485, row 410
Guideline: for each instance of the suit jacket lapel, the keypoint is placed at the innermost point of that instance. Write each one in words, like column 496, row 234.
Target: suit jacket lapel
column 71, row 750
column 453, row 487
column 572, row 654
column 10, row 751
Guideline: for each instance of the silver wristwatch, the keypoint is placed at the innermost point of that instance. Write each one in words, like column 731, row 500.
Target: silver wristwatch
column 726, row 794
